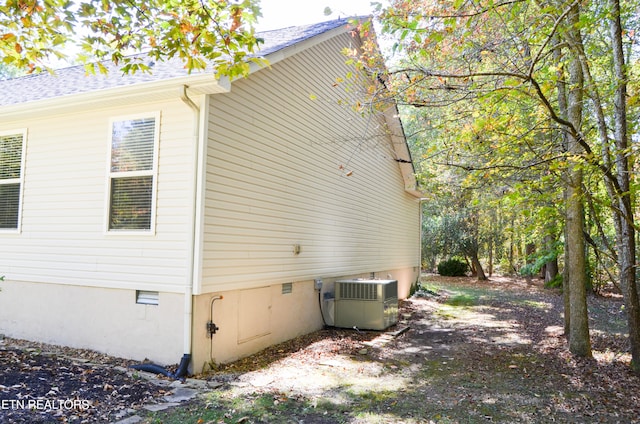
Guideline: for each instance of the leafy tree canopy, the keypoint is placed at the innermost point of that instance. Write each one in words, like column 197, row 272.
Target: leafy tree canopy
column 199, row 32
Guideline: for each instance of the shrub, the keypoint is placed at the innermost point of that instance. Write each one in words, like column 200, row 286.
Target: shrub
column 414, row 287
column 555, row 283
column 452, row 268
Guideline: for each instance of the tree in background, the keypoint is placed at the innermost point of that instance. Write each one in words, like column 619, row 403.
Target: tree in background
column 8, row 72
column 536, row 91
column 199, row 33
column 451, row 229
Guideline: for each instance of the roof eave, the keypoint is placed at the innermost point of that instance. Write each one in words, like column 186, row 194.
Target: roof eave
column 199, row 84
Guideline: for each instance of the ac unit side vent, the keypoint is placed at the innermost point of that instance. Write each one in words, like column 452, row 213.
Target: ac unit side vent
column 391, row 290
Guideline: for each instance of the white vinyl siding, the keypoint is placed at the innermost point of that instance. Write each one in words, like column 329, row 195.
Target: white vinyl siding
column 12, row 152
column 281, row 146
column 63, row 238
column 132, row 173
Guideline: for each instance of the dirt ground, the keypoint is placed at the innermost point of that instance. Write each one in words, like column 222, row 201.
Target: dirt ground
column 41, row 383
column 464, row 351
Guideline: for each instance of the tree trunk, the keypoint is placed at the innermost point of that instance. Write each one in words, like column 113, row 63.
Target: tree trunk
column 550, row 270
column 566, row 287
column 627, row 247
column 551, row 267
column 478, row 266
column 562, row 105
column 529, row 250
column 512, row 265
column 579, row 342
column 491, row 256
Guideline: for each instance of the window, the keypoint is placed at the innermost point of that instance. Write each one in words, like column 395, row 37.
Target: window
column 12, row 149
column 132, row 174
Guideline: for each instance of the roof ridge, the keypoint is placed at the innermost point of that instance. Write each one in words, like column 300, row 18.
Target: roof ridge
column 326, row 25
column 73, row 79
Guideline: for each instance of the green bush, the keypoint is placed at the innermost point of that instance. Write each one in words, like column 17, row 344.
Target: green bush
column 452, row 268
column 555, row 283
column 414, row 287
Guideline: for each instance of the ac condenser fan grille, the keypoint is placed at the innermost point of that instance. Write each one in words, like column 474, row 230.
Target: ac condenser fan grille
column 359, row 291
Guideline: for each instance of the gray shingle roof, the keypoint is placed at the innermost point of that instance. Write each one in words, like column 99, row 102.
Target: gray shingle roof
column 73, row 80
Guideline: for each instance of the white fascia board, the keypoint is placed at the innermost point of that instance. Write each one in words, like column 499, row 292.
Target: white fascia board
column 134, row 93
column 401, row 150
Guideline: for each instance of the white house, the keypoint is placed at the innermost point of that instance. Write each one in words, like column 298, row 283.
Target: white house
column 135, row 210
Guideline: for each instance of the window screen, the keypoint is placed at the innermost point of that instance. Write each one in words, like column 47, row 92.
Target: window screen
column 11, row 151
column 132, row 163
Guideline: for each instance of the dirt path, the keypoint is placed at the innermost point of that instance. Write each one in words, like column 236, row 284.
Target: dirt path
column 474, row 352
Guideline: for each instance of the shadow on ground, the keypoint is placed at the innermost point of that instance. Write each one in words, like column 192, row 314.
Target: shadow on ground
column 474, row 352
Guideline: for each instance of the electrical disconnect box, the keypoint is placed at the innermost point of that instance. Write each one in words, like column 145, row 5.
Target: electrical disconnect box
column 366, row 304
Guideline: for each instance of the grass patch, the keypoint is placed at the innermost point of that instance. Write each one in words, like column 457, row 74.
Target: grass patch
column 534, row 304
column 462, row 300
column 277, row 408
column 373, row 402
column 218, row 407
column 477, row 291
column 430, row 287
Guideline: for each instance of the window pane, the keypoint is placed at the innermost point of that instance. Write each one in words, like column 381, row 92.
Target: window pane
column 132, row 145
column 131, row 200
column 10, row 156
column 9, row 205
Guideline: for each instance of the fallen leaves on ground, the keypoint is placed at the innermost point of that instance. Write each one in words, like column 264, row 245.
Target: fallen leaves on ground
column 42, row 383
column 474, row 352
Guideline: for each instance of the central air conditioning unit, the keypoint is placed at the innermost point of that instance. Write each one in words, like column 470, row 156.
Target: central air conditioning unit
column 366, row 304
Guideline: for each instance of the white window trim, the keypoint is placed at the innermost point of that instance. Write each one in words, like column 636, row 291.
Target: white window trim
column 23, row 132
column 153, row 173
